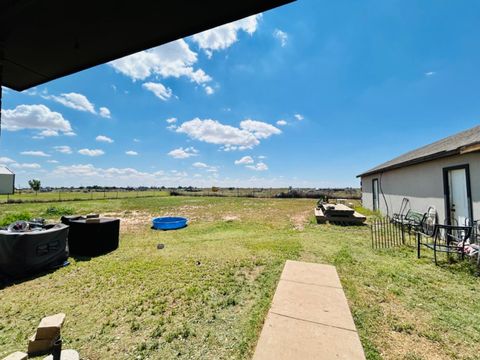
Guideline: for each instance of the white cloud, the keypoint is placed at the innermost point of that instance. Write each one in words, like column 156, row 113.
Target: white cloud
column 209, row 90
column 131, row 153
column 244, row 160
column 430, row 73
column 174, row 59
column 214, row 132
column 261, row 166
column 52, row 161
column 160, row 91
column 103, row 138
column 91, row 152
column 136, row 140
column 200, row 165
column 259, row 129
column 74, row 101
column 262, row 157
column 281, row 36
column 34, row 153
column 70, row 133
column 171, row 120
column 104, row 112
column 6, row 160
column 26, row 166
column 64, row 149
column 224, row 36
column 281, row 123
column 182, row 153
column 34, row 117
column 47, row 133
column 299, row 117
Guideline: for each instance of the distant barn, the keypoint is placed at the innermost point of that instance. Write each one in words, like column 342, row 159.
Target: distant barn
column 445, row 174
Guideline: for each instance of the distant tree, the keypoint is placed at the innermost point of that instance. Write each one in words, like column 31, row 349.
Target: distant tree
column 35, row 185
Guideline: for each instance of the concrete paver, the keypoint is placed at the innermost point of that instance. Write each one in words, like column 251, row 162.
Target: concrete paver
column 309, row 317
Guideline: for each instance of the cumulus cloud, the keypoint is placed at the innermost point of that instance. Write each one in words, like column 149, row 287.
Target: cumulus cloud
column 26, row 166
column 281, row 123
column 34, row 153
column 281, row 36
column 91, row 152
column 136, row 140
column 48, row 133
column 174, row 59
column 430, row 73
column 224, row 36
column 209, row 90
column 244, row 160
column 6, row 160
column 214, row 132
column 201, row 165
column 299, row 117
column 52, row 161
column 74, row 101
column 103, row 138
column 104, row 112
column 171, row 120
column 182, row 153
column 261, row 166
column 64, row 149
column 34, row 117
column 259, row 129
column 159, row 90
column 131, row 153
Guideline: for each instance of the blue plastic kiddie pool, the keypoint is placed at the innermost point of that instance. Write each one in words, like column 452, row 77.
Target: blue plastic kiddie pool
column 169, row 223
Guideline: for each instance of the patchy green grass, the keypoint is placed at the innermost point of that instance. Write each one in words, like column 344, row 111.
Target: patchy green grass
column 205, row 295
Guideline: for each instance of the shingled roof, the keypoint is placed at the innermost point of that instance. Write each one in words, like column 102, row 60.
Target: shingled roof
column 463, row 142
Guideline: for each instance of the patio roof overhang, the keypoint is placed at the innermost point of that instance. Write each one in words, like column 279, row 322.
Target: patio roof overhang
column 42, row 40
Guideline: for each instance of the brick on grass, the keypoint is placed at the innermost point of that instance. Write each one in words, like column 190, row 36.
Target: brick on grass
column 66, row 355
column 49, row 327
column 39, row 347
column 17, row 355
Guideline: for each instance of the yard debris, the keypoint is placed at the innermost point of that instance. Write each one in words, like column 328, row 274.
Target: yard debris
column 160, row 246
column 66, row 355
column 46, row 335
column 338, row 214
column 17, row 355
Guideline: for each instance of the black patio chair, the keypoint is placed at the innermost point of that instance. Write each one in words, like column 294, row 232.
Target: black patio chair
column 426, row 229
column 399, row 217
column 450, row 239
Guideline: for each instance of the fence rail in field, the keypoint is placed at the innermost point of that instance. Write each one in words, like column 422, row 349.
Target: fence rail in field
column 388, row 234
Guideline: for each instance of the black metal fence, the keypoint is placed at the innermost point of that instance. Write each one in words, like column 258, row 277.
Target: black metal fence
column 387, row 233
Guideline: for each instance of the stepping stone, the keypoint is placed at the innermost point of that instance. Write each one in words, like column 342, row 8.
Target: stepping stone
column 66, row 355
column 17, row 355
column 49, row 327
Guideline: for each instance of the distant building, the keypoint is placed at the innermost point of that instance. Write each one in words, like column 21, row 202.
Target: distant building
column 7, row 181
column 445, row 174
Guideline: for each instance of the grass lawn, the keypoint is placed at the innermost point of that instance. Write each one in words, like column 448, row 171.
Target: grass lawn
column 205, row 295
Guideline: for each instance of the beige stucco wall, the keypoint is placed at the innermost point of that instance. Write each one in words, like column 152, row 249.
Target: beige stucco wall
column 422, row 184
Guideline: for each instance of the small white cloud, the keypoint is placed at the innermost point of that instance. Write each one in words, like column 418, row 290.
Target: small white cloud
column 74, row 101
column 103, row 138
column 259, row 129
column 209, row 90
column 281, row 36
column 91, row 152
column 104, row 112
column 136, row 140
column 262, row 157
column 47, row 133
column 35, row 153
column 430, row 73
column 64, row 149
column 200, row 165
column 34, row 117
column 171, row 120
column 131, row 153
column 299, row 117
column 281, row 123
column 52, row 161
column 6, row 160
column 258, row 167
column 224, row 36
column 244, row 160
column 70, row 133
column 182, row 153
column 159, row 90
column 26, row 166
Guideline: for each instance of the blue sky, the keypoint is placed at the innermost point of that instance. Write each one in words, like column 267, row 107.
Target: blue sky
column 309, row 94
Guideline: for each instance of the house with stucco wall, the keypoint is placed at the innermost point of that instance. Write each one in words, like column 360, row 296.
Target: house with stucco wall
column 444, row 174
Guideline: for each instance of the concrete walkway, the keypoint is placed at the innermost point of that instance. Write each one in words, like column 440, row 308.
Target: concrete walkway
column 309, row 317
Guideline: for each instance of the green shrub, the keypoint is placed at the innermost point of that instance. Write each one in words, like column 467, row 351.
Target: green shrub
column 58, row 211
column 10, row 218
